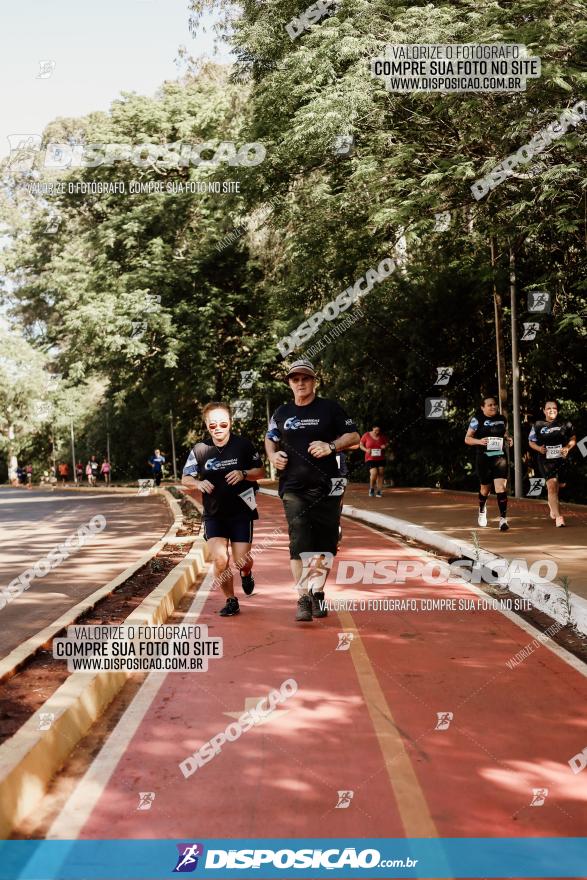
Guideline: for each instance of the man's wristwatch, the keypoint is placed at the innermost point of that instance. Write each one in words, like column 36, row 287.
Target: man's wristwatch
column 244, row 473
column 332, row 446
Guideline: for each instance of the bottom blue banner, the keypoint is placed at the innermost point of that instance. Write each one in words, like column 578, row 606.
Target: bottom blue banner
column 302, row 858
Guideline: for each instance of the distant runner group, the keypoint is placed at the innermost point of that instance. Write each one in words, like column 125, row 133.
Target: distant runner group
column 551, row 438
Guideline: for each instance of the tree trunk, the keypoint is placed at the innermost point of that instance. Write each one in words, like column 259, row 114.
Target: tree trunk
column 498, row 310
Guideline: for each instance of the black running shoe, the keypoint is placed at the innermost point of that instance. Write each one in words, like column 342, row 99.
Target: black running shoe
column 304, row 611
column 231, row 608
column 318, row 605
column 248, row 583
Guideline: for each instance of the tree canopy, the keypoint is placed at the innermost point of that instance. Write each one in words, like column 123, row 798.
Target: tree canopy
column 163, row 298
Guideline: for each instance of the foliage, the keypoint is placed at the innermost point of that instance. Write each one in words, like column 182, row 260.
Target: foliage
column 224, row 304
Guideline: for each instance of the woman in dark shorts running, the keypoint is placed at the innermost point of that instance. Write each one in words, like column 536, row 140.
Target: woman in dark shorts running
column 488, row 433
column 553, row 438
column 224, row 468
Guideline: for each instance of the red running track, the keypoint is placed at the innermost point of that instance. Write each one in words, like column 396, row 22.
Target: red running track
column 363, row 720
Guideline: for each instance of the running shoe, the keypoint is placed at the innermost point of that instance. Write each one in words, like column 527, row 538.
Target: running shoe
column 371, row 493
column 318, row 609
column 482, row 518
column 503, row 524
column 379, row 495
column 560, row 522
column 248, row 583
column 304, row 611
column 231, row 608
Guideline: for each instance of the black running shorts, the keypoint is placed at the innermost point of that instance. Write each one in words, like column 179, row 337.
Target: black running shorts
column 237, row 529
column 491, row 467
column 548, row 468
column 312, row 523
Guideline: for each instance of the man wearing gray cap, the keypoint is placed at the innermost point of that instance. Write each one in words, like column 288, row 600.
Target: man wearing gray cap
column 302, row 441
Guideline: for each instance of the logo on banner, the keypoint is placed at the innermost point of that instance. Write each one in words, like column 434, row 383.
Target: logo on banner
column 537, row 484
column 344, row 800
column 338, row 485
column 531, row 328
column 443, row 375
column 315, row 568
column 444, row 719
column 248, row 497
column 146, row 799
column 23, row 150
column 187, row 860
column 242, row 409
column 539, row 795
column 46, row 719
column 443, row 220
column 344, row 641
column 539, row 301
column 436, row 407
column 248, row 378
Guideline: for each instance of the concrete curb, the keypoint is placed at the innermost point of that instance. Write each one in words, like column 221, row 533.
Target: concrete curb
column 101, row 487
column 31, row 757
column 10, row 664
column 545, row 596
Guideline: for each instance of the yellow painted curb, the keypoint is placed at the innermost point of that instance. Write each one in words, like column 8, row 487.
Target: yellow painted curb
column 30, row 758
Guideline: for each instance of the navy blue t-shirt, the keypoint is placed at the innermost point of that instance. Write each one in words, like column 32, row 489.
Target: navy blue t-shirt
column 207, row 461
column 294, row 428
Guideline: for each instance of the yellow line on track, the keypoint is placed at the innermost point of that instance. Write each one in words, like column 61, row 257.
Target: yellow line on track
column 410, row 799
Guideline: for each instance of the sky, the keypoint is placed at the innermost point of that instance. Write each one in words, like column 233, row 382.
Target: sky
column 98, row 49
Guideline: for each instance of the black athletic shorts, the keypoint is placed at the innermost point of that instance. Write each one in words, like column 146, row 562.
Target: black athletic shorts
column 552, row 467
column 237, row 528
column 491, row 467
column 312, row 523
column 376, row 463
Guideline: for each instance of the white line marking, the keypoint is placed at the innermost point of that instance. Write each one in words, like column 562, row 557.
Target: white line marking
column 80, row 804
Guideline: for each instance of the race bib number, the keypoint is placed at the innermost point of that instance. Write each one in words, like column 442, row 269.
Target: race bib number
column 338, row 485
column 554, row 451
column 494, row 444
column 376, row 453
column 248, row 497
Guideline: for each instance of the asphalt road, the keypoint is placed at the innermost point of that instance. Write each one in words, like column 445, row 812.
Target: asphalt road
column 32, row 522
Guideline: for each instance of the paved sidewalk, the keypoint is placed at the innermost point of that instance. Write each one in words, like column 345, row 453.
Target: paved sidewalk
column 532, row 534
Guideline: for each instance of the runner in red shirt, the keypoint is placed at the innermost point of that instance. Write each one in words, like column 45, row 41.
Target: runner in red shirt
column 374, row 443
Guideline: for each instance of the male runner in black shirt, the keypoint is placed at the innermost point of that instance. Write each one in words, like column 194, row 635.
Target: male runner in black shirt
column 224, row 468
column 302, row 441
column 488, row 433
column 553, row 438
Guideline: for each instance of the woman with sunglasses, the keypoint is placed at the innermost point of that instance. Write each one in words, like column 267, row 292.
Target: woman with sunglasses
column 224, row 468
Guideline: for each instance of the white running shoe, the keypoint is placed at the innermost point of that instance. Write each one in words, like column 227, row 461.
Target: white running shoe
column 482, row 518
column 503, row 524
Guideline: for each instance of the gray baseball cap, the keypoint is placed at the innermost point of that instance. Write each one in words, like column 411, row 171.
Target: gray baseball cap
column 303, row 365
